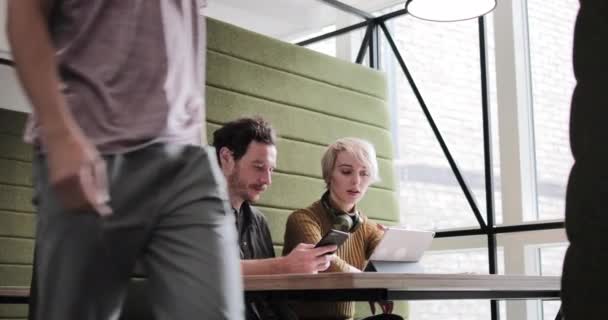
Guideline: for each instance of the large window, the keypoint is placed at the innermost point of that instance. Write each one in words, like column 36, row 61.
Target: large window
column 444, row 62
column 529, row 80
column 550, row 36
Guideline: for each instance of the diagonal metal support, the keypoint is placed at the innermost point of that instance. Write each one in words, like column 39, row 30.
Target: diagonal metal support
column 350, row 9
column 438, row 136
column 364, row 43
column 374, row 48
column 333, row 34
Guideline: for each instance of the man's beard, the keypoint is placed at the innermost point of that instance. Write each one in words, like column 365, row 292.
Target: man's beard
column 240, row 187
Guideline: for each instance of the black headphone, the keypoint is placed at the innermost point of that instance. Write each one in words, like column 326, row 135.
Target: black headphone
column 341, row 220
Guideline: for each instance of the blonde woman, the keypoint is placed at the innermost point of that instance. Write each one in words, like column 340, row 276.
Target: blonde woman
column 349, row 167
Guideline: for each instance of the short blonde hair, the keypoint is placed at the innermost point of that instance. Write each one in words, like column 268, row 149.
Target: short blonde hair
column 361, row 149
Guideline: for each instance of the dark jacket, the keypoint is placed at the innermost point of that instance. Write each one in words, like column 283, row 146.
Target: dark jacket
column 255, row 242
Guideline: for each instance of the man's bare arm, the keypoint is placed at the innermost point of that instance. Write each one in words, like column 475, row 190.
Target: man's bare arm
column 261, row 266
column 76, row 171
column 35, row 60
column 304, row 258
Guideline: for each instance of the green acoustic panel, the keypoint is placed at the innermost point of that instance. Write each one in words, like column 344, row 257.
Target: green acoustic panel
column 12, row 147
column 13, row 311
column 277, row 219
column 14, row 198
column 294, row 122
column 380, row 204
column 15, row 275
column 266, row 51
column 15, row 172
column 12, row 122
column 262, row 82
column 17, row 224
column 16, row 251
column 294, row 192
column 278, row 250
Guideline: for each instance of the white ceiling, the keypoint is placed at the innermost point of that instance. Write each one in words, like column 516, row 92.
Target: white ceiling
column 283, row 19
column 289, row 19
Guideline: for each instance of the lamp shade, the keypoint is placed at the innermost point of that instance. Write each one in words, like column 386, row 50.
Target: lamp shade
column 449, row 10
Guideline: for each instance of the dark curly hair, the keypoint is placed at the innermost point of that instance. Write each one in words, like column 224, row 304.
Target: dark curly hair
column 237, row 135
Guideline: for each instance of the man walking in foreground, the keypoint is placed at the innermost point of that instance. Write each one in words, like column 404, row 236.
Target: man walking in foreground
column 117, row 118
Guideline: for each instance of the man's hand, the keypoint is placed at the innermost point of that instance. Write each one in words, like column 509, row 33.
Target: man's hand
column 305, row 258
column 77, row 173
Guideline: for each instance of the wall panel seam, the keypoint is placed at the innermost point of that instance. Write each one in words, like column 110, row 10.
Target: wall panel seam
column 216, row 86
column 369, row 94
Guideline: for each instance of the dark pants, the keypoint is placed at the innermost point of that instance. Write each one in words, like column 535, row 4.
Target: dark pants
column 170, row 210
column 585, row 276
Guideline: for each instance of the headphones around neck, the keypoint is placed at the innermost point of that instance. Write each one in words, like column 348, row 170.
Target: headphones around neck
column 341, row 220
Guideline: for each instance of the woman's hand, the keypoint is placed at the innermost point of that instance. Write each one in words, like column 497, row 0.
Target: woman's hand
column 382, row 227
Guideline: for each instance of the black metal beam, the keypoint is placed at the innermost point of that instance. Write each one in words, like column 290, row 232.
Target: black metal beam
column 14, row 300
column 438, row 136
column 7, row 62
column 359, row 25
column 390, row 15
column 487, row 155
column 530, row 227
column 333, row 33
column 374, row 48
column 349, row 9
column 501, row 229
column 364, row 43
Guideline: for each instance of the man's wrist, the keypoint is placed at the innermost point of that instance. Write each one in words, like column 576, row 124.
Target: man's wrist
column 280, row 265
column 59, row 130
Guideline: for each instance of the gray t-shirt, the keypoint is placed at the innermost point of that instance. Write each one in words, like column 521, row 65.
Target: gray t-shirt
column 132, row 71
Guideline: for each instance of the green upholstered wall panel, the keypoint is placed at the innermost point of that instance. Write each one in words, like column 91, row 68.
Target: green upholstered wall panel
column 17, row 224
column 312, row 100
column 12, row 311
column 14, row 275
column 17, row 221
column 264, row 82
column 293, row 121
column 262, row 50
column 13, row 148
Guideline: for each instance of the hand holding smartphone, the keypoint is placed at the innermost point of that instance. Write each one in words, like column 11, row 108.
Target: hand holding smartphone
column 333, row 237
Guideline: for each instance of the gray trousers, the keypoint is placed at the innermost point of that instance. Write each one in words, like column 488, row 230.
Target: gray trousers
column 170, row 210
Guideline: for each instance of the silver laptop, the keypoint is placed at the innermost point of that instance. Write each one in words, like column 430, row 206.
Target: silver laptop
column 402, row 245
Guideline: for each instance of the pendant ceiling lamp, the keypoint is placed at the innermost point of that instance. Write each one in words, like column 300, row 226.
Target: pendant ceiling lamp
column 449, row 10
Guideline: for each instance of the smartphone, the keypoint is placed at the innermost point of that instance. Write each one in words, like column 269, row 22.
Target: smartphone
column 333, row 237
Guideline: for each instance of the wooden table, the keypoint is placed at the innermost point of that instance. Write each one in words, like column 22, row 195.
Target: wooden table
column 394, row 286
column 379, row 286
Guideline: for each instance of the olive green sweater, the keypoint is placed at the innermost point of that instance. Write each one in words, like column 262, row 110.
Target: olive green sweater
column 308, row 226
